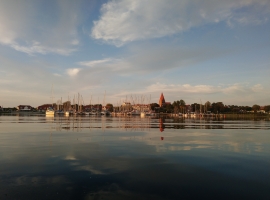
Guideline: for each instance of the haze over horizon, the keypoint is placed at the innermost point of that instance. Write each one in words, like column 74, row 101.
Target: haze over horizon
column 194, row 50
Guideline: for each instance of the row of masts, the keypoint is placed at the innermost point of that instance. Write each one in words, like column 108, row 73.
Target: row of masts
column 77, row 103
column 133, row 100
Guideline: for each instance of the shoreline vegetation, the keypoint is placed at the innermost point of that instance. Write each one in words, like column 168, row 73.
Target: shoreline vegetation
column 138, row 106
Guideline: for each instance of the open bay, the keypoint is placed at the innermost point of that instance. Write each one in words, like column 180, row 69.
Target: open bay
column 133, row 158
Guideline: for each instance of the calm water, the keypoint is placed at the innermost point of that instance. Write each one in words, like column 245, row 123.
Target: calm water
column 133, row 158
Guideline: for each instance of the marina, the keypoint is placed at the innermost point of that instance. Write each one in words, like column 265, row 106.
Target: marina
column 134, row 100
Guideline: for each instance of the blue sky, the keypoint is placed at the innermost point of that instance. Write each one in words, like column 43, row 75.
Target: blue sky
column 210, row 50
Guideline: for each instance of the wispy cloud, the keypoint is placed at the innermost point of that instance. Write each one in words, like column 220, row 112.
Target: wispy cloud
column 73, row 72
column 184, row 88
column 229, row 94
column 149, row 58
column 31, row 30
column 94, row 63
column 105, row 65
column 36, row 47
column 127, row 20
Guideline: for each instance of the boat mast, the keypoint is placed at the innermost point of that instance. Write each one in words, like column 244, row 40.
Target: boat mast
column 103, row 104
column 91, row 102
column 52, row 95
column 78, row 101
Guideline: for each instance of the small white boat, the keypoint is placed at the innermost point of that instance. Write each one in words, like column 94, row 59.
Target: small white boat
column 69, row 112
column 92, row 113
column 50, row 111
column 105, row 112
column 60, row 112
column 135, row 112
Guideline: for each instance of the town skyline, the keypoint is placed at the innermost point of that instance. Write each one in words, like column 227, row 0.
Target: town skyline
column 196, row 51
column 136, row 100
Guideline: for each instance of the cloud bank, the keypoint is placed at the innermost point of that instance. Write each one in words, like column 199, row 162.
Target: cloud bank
column 30, row 27
column 125, row 21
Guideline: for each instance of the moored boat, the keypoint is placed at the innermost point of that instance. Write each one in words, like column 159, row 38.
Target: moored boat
column 50, row 111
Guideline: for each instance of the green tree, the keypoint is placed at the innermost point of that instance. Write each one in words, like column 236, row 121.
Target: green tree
column 169, row 108
column 179, row 106
column 109, row 107
column 153, row 106
column 182, row 102
column 267, row 108
column 195, row 107
column 217, row 107
column 256, row 108
column 182, row 106
column 207, row 106
column 176, row 106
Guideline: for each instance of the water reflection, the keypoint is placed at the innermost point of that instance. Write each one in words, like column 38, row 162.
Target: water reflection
column 133, row 158
column 147, row 123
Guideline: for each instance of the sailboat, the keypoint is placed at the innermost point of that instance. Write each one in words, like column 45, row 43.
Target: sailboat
column 50, row 111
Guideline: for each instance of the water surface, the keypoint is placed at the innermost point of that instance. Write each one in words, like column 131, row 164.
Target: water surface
column 133, row 158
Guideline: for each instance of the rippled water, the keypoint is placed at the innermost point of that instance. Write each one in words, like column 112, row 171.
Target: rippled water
column 133, row 158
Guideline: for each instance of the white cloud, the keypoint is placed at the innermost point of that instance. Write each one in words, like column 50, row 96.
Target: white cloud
column 257, row 88
column 55, row 74
column 73, row 72
column 147, row 59
column 28, row 28
column 94, row 63
column 106, row 65
column 36, row 47
column 127, row 20
column 184, row 88
column 233, row 89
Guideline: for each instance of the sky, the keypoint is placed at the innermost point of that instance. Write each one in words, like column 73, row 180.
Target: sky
column 117, row 50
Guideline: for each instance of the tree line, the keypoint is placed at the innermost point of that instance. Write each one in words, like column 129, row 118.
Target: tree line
column 215, row 107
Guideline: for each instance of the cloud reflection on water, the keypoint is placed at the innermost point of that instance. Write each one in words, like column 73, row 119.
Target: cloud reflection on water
column 92, row 163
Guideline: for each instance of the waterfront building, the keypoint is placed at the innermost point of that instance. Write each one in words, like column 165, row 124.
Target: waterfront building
column 66, row 106
column 141, row 107
column 24, row 108
column 126, row 106
column 262, row 109
column 188, row 109
column 44, row 107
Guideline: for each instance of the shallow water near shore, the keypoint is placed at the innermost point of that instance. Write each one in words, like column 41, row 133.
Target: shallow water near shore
column 133, row 158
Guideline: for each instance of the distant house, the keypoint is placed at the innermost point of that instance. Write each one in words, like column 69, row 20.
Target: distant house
column 141, row 107
column 89, row 107
column 262, row 109
column 188, row 109
column 44, row 107
column 24, row 108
